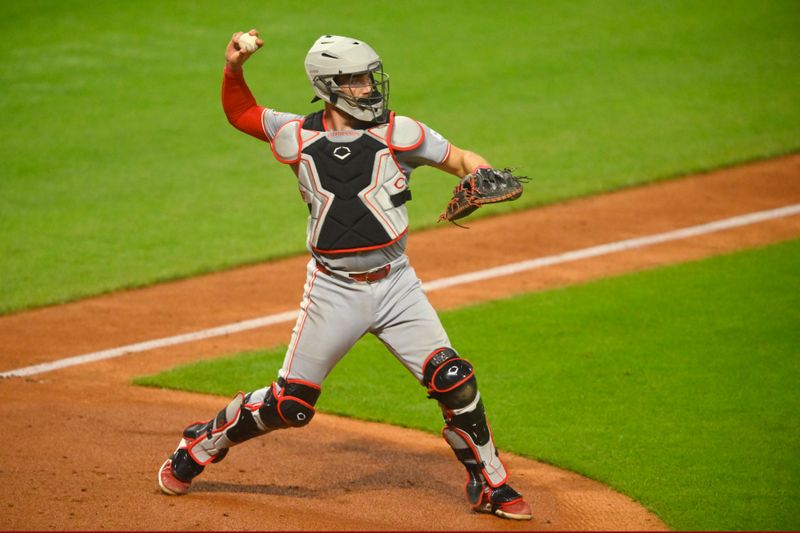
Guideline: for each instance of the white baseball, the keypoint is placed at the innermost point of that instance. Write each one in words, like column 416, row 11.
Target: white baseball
column 247, row 42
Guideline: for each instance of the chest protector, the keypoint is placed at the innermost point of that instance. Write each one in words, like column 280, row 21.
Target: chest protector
column 350, row 180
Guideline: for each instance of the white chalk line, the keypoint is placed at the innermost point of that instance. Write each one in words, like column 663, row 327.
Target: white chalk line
column 435, row 285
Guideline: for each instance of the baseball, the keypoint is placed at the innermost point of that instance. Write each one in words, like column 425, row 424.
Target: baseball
column 247, row 42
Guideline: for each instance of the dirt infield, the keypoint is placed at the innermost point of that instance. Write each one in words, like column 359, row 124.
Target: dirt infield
column 86, row 444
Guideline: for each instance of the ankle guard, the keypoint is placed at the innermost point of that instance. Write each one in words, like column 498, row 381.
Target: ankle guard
column 451, row 381
column 184, row 467
column 496, row 501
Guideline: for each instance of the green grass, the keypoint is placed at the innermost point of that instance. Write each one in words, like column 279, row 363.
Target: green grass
column 677, row 386
column 119, row 168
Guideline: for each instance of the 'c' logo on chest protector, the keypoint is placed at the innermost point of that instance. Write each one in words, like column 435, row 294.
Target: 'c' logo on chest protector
column 342, row 152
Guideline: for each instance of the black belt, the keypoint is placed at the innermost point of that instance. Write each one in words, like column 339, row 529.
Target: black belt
column 368, row 277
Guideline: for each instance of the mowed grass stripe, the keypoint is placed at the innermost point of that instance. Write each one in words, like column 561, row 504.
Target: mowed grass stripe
column 120, row 170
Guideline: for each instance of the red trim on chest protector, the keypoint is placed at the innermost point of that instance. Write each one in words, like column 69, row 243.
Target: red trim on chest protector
column 364, row 249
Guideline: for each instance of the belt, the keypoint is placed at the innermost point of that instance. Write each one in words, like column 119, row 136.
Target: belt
column 368, row 277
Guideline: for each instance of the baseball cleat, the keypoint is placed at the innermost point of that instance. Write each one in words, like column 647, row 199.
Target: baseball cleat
column 504, row 502
column 170, row 484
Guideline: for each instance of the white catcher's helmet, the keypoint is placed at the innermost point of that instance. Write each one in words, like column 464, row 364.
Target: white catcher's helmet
column 332, row 56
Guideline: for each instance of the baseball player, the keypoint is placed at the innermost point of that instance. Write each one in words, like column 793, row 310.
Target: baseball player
column 353, row 161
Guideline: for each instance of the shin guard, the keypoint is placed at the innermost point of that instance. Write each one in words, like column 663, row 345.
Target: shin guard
column 209, row 442
column 451, row 381
column 288, row 403
column 468, row 434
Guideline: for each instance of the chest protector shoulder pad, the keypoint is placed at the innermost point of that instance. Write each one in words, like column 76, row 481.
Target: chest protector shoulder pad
column 351, row 182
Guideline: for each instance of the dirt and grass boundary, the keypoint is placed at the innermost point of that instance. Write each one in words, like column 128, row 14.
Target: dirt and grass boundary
column 97, row 440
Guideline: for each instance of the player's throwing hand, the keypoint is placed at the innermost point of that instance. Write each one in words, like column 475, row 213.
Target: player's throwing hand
column 241, row 47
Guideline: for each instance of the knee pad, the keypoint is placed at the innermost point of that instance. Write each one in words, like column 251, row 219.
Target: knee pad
column 450, row 379
column 289, row 403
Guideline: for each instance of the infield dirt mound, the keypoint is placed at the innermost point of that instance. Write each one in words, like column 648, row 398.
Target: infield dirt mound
column 86, row 444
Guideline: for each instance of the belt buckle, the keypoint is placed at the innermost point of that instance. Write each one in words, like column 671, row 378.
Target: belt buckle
column 373, row 275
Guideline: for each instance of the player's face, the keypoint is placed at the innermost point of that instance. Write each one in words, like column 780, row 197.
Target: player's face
column 356, row 85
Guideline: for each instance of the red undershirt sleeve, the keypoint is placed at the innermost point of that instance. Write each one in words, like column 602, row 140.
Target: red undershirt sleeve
column 240, row 106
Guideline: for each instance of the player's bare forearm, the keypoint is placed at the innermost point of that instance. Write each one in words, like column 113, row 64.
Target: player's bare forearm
column 461, row 162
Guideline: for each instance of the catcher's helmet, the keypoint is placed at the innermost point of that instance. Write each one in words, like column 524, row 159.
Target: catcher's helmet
column 332, row 60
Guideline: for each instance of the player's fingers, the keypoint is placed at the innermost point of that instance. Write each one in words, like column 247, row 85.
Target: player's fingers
column 235, row 39
column 259, row 41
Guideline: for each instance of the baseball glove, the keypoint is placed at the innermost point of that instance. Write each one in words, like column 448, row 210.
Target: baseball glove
column 484, row 186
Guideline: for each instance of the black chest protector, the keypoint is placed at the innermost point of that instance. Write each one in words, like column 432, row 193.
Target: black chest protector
column 354, row 188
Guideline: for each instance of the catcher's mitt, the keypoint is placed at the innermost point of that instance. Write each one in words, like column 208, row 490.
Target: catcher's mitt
column 484, row 186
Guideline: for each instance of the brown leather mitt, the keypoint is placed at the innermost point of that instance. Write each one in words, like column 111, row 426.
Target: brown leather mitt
column 484, row 186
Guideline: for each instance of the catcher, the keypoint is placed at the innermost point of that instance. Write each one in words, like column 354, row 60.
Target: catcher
column 353, row 160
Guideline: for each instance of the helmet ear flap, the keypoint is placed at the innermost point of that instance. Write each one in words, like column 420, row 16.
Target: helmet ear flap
column 322, row 88
column 328, row 87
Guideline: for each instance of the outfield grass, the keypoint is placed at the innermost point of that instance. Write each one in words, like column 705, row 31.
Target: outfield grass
column 676, row 386
column 119, row 168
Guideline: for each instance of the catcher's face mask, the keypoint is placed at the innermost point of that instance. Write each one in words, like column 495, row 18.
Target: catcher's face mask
column 365, row 91
column 348, row 74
